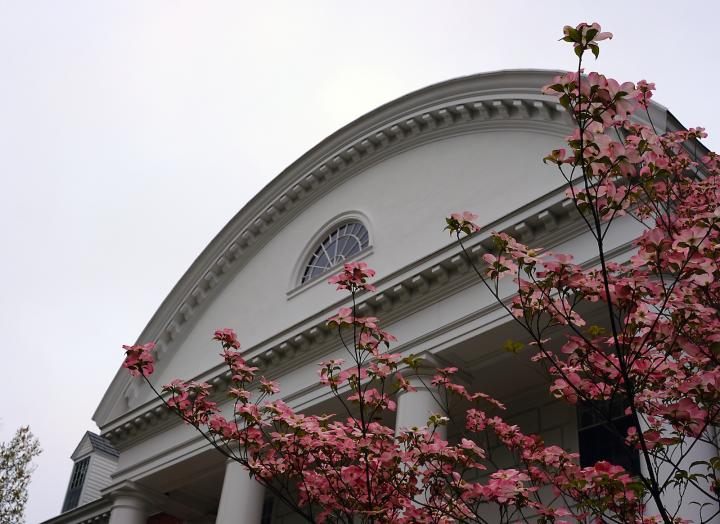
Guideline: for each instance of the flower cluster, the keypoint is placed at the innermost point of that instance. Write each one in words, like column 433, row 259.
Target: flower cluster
column 585, row 36
column 139, row 360
column 190, row 400
column 463, row 222
column 227, row 338
column 353, row 277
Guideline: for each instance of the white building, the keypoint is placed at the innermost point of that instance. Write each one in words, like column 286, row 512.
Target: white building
column 386, row 181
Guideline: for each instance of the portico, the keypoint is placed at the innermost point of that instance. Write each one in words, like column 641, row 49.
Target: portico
column 205, row 487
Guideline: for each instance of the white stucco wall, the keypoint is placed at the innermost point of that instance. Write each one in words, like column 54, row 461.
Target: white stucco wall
column 405, row 199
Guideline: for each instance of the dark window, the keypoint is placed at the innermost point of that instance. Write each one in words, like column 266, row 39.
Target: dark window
column 77, row 479
column 344, row 242
column 267, row 510
column 602, row 427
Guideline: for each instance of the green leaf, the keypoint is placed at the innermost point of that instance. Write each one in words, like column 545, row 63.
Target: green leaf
column 595, row 49
column 513, row 346
column 499, row 243
column 412, row 361
column 637, row 487
column 565, row 101
column 596, row 331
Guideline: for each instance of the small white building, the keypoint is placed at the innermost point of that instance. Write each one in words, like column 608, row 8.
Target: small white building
column 382, row 185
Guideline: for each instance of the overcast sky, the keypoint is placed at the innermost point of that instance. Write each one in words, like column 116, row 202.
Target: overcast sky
column 131, row 132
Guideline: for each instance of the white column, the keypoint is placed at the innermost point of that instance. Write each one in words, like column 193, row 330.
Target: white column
column 689, row 508
column 129, row 507
column 415, row 408
column 241, row 501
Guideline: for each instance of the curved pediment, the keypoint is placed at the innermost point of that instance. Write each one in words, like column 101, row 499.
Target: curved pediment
column 418, row 133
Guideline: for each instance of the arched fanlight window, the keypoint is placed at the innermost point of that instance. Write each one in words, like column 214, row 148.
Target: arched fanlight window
column 341, row 244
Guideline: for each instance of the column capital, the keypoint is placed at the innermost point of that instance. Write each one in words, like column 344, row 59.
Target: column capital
column 129, row 489
column 130, row 505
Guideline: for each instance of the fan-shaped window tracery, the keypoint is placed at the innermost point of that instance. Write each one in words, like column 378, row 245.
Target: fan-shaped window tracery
column 341, row 244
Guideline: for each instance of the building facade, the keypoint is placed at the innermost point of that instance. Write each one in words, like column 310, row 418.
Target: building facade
column 378, row 191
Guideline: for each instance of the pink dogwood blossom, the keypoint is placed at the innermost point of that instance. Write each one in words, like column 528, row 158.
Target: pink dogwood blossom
column 139, row 360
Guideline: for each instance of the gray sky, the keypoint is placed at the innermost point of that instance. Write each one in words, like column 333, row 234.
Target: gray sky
column 132, row 131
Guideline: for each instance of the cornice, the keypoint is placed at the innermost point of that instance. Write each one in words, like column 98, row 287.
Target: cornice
column 481, row 103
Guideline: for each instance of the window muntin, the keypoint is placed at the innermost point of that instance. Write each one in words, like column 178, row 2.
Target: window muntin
column 341, row 244
column 77, row 479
